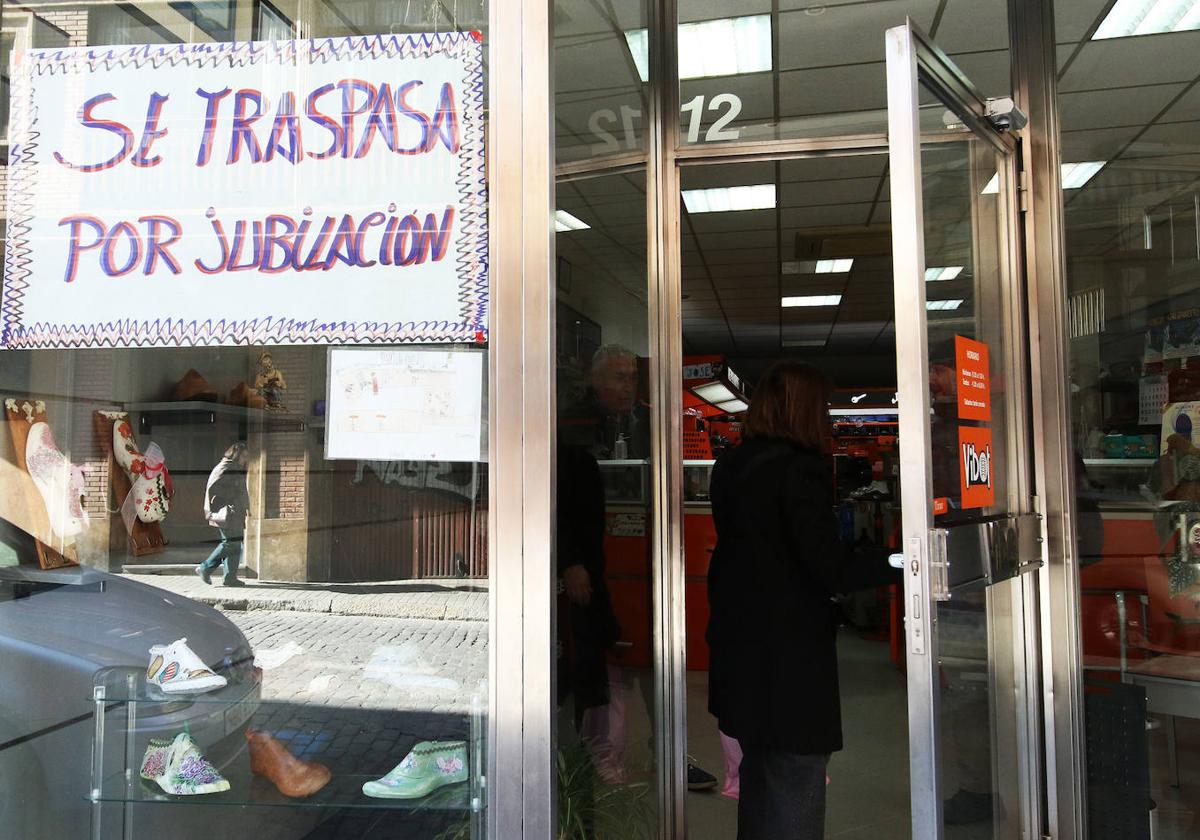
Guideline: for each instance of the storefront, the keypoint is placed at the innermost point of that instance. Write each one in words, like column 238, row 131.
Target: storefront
column 366, row 362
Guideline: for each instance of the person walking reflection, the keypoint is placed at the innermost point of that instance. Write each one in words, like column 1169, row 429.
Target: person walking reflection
column 226, row 505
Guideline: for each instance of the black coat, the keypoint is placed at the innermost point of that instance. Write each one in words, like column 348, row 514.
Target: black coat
column 773, row 679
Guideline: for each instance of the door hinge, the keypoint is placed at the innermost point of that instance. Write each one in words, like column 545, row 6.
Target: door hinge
column 1023, row 190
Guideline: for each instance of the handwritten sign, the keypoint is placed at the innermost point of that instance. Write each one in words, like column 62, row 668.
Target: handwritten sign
column 404, row 405
column 324, row 191
column 974, row 380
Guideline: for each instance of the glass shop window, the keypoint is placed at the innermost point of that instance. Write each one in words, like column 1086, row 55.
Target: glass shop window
column 243, row 465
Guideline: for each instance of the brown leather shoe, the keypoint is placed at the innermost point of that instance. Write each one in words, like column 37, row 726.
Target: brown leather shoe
column 293, row 777
column 193, row 386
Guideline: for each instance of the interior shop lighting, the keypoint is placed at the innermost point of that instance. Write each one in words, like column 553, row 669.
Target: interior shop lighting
column 730, row 199
column 838, row 266
column 1074, row 175
column 943, row 305
column 944, row 272
column 811, row 300
column 564, row 221
column 721, row 47
column 715, row 393
column 733, row 406
column 1148, row 17
column 859, row 412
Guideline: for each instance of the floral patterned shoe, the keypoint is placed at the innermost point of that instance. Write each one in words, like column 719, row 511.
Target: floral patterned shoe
column 429, row 766
column 151, row 491
column 178, row 767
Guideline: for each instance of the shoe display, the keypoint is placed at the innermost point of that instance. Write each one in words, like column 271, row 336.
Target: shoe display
column 59, row 482
column 698, row 778
column 176, row 669
column 193, row 386
column 179, row 768
column 293, row 777
column 428, row 766
column 242, row 394
column 150, row 482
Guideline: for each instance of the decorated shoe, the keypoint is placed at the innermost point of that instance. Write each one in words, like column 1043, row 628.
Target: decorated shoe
column 59, row 482
column 429, row 766
column 150, row 496
column 293, row 777
column 176, row 669
column 179, row 768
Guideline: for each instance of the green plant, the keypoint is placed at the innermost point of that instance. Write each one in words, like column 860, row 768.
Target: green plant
column 589, row 809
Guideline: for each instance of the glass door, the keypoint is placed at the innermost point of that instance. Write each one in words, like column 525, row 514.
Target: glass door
column 969, row 529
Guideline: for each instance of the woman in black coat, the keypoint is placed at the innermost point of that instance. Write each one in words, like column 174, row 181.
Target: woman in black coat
column 778, row 563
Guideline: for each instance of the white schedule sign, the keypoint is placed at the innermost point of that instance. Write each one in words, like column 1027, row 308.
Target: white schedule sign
column 404, row 405
column 323, row 191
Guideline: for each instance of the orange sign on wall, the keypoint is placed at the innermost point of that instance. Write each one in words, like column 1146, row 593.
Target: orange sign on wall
column 975, row 468
column 974, row 380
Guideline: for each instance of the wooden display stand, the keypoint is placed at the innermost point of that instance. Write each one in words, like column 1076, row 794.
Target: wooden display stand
column 22, row 499
column 144, row 537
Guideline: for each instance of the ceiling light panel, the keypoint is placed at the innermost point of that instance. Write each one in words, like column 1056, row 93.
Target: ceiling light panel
column 943, row 305
column 1074, row 175
column 811, row 300
column 944, row 272
column 714, row 392
column 804, row 342
column 733, row 406
column 721, row 47
column 1148, row 17
column 564, row 221
column 840, row 266
column 730, row 199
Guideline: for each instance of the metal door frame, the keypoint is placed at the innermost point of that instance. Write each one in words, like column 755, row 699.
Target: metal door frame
column 912, row 60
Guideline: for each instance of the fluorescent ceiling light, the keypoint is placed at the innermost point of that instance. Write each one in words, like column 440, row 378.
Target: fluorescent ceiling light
column 1148, row 17
column 945, row 272
column 943, row 305
column 722, row 47
column 564, row 221
column 834, row 266
column 728, row 199
column 804, row 342
column 733, row 406
column 714, row 392
column 811, row 300
column 838, row 266
column 1075, row 175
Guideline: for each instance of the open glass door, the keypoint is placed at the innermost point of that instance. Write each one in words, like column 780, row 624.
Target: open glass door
column 968, row 525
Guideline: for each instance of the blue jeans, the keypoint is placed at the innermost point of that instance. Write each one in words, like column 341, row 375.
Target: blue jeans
column 227, row 553
column 782, row 795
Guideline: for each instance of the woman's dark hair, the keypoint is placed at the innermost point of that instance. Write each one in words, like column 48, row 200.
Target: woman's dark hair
column 790, row 403
column 236, row 450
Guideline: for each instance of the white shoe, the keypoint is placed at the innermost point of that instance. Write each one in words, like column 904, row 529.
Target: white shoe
column 176, row 669
column 59, row 482
column 179, row 768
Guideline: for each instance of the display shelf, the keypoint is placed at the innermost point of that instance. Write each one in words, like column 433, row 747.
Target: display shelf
column 1119, row 462
column 247, row 790
column 128, row 712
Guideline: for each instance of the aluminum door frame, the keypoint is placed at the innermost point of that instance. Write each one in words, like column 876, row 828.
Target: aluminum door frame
column 913, row 59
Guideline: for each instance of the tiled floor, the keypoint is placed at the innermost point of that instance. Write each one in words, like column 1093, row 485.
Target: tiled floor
column 868, row 792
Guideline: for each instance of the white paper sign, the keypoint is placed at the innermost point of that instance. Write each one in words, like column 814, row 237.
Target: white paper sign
column 404, row 405
column 330, row 190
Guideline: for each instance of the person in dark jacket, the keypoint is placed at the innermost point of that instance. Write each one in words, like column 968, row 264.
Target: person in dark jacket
column 226, row 504
column 778, row 563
